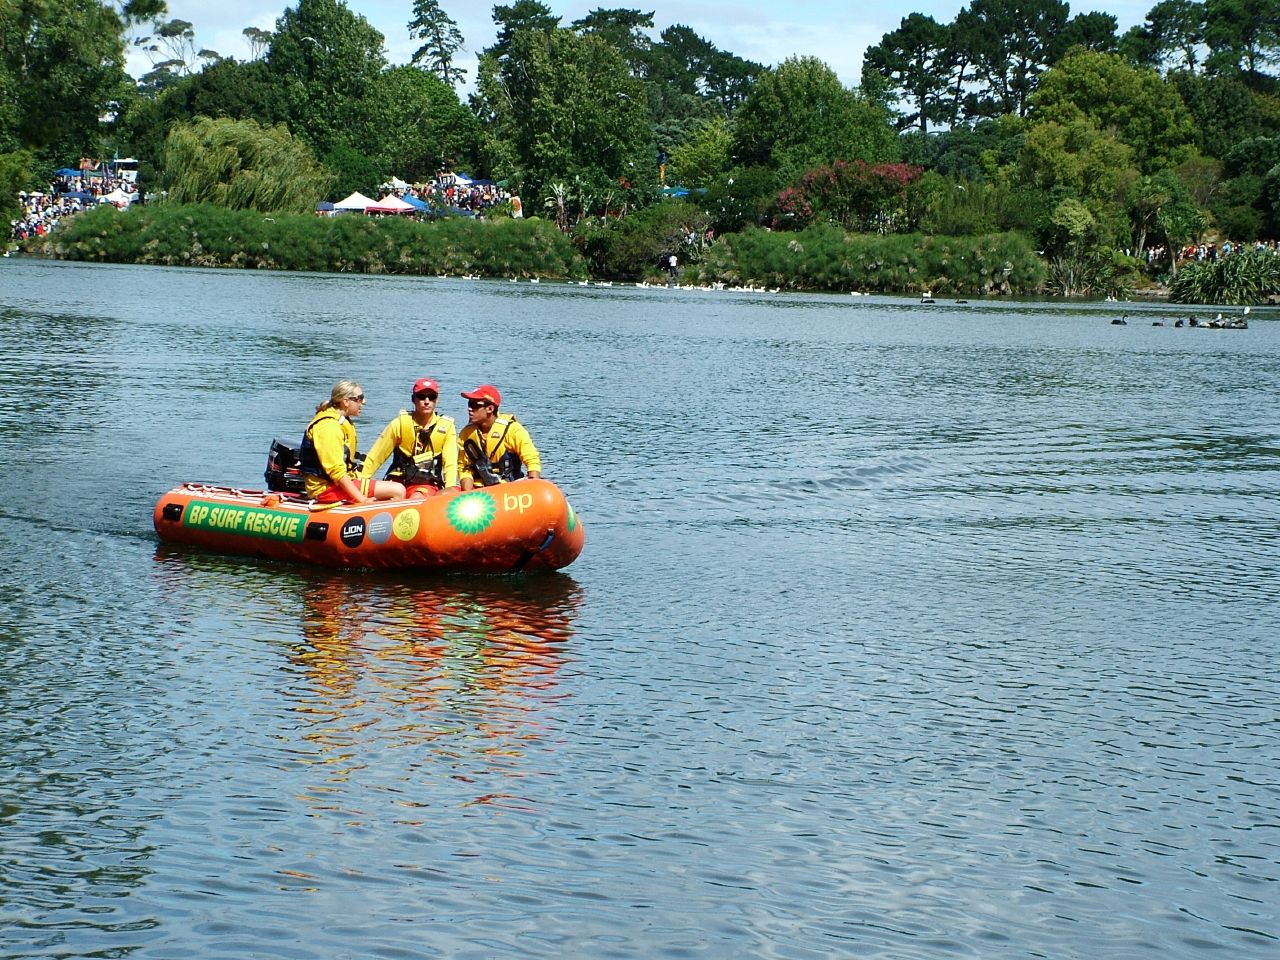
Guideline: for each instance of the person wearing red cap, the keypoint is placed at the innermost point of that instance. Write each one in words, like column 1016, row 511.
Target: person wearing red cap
column 328, row 452
column 493, row 447
column 423, row 445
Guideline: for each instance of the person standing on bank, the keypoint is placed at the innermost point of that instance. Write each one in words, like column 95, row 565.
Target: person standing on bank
column 422, row 445
column 328, row 452
column 493, row 447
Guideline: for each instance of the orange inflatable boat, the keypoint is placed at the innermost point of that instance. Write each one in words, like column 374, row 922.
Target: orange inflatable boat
column 525, row 525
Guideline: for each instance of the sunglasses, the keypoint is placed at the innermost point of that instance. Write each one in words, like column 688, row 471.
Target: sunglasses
column 477, row 404
column 425, row 395
column 358, row 398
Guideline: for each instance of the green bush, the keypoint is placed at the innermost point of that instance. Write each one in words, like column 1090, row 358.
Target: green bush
column 1247, row 277
column 824, row 257
column 211, row 236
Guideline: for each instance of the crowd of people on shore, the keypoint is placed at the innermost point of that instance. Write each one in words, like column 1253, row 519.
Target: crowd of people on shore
column 1158, row 256
column 39, row 213
column 427, row 452
column 68, row 193
column 451, row 191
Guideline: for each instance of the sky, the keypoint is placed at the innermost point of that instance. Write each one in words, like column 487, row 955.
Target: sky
column 766, row 32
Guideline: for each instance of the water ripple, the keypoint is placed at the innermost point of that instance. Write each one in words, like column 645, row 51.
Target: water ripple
column 938, row 634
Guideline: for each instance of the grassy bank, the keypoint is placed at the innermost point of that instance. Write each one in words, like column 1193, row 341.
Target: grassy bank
column 827, row 258
column 209, row 236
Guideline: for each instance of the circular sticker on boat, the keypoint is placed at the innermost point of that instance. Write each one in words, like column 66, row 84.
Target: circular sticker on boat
column 573, row 517
column 471, row 513
column 353, row 532
column 380, row 528
column 406, row 525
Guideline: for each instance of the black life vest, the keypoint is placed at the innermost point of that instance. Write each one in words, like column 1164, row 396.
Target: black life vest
column 424, row 466
column 508, row 467
column 309, row 460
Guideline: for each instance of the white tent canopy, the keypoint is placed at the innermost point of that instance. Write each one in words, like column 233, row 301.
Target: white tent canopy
column 118, row 197
column 357, row 201
column 395, row 184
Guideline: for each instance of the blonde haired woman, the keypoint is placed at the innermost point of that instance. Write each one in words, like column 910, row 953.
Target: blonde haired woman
column 328, row 452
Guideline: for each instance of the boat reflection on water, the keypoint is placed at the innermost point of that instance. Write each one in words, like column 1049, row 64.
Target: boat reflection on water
column 452, row 677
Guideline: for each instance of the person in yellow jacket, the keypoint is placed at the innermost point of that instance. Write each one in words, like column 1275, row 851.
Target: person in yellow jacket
column 423, row 445
column 328, row 452
column 493, row 447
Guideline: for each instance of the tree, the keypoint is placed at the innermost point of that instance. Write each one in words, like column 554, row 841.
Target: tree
column 327, row 59
column 227, row 89
column 741, row 198
column 961, row 58
column 174, row 45
column 1135, row 103
column 441, row 40
column 913, row 62
column 1177, row 29
column 1013, row 42
column 63, row 68
column 562, row 106
column 1224, row 111
column 704, row 157
column 1242, row 35
column 16, row 173
column 623, row 30
column 799, row 116
column 138, row 11
column 259, row 41
column 1178, row 223
column 241, row 165
column 1071, row 227
column 1140, row 47
column 133, row 14
column 1093, row 31
column 1148, row 197
column 686, row 69
column 352, row 170
column 1078, row 160
column 414, row 126
column 513, row 18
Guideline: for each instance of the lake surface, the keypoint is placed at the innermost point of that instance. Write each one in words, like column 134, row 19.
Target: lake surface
column 900, row 631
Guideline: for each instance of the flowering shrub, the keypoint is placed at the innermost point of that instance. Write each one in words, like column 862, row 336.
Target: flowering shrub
column 861, row 197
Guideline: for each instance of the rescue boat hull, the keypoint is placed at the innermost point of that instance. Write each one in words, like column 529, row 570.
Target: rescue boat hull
column 526, row 525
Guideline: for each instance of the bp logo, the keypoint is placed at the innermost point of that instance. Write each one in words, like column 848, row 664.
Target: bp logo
column 471, row 513
column 573, row 518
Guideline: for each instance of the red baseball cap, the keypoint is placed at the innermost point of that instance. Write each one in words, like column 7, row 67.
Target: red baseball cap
column 426, row 383
column 486, row 391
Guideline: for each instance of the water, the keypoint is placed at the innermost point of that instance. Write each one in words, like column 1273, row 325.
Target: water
column 900, row 632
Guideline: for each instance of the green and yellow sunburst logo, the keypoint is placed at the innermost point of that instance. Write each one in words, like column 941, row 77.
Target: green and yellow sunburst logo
column 471, row 513
column 573, row 517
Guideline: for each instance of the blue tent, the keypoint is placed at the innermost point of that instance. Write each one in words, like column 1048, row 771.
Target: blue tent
column 66, row 172
column 78, row 195
column 324, row 206
column 414, row 202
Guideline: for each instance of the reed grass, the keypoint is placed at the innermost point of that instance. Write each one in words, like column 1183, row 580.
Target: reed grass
column 825, row 258
column 1248, row 277
column 205, row 235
